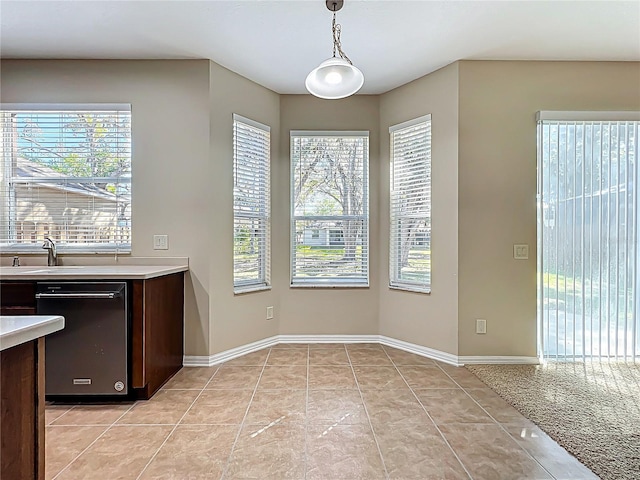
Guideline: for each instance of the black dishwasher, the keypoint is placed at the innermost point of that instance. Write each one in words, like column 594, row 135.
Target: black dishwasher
column 89, row 356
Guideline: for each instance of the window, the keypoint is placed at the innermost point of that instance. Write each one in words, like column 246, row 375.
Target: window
column 329, row 188
column 410, row 236
column 588, row 212
column 251, row 202
column 65, row 173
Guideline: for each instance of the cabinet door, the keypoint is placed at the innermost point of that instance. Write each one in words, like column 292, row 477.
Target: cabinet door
column 17, row 298
column 138, row 336
column 22, row 412
column 157, row 331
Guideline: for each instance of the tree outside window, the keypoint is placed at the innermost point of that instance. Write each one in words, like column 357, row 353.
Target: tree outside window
column 330, row 197
column 66, row 174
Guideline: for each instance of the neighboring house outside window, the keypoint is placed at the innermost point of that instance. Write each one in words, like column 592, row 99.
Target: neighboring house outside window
column 410, row 233
column 251, row 205
column 330, row 208
column 65, row 173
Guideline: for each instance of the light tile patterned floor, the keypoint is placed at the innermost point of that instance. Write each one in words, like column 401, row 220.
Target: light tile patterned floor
column 320, row 411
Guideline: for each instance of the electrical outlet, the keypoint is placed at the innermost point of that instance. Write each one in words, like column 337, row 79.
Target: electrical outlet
column 269, row 313
column 481, row 325
column 161, row 242
column 521, row 252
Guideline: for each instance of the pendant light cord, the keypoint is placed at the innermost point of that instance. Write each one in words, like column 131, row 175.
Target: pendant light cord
column 337, row 29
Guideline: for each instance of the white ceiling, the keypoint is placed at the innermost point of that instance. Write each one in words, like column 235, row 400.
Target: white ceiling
column 276, row 43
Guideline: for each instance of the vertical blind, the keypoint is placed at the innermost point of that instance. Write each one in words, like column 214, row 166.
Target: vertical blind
column 65, row 173
column 588, row 235
column 330, row 208
column 251, row 203
column 410, row 209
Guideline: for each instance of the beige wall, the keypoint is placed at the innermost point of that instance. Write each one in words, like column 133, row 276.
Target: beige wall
column 431, row 319
column 236, row 319
column 497, row 184
column 325, row 310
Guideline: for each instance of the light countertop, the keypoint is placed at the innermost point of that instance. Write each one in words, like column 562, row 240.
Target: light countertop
column 18, row 329
column 87, row 272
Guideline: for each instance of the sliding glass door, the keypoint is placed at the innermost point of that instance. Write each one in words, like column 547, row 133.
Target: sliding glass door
column 588, row 254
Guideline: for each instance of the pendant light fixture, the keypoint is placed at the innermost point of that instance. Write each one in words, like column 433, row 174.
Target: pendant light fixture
column 336, row 77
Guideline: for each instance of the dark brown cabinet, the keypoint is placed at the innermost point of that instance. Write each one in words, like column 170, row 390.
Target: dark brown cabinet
column 17, row 298
column 21, row 393
column 157, row 332
column 22, row 417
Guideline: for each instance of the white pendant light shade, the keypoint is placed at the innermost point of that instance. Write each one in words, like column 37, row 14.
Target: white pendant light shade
column 334, row 78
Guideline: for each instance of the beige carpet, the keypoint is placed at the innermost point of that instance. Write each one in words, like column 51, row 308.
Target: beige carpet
column 591, row 409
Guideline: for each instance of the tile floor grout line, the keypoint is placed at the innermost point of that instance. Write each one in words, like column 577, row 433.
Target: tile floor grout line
column 464, row 467
column 56, row 419
column 499, row 424
column 94, row 441
column 375, row 438
column 176, row 424
column 246, row 412
column 110, row 424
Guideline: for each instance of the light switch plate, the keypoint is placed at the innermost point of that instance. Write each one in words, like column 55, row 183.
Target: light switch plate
column 481, row 325
column 521, row 252
column 161, row 242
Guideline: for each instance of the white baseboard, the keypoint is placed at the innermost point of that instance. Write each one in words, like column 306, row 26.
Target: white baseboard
column 505, row 360
column 420, row 350
column 207, row 361
column 196, row 361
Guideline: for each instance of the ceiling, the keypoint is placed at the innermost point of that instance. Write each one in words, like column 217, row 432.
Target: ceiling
column 276, row 43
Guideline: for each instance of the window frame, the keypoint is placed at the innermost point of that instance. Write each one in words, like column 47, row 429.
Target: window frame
column 62, row 247
column 395, row 282
column 329, row 282
column 263, row 282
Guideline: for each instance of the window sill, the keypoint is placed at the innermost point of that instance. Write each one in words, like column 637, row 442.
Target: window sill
column 38, row 250
column 410, row 289
column 250, row 289
column 331, row 286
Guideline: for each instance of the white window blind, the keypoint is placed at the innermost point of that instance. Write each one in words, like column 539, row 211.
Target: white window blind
column 410, row 235
column 330, row 208
column 588, row 235
column 251, row 203
column 65, row 173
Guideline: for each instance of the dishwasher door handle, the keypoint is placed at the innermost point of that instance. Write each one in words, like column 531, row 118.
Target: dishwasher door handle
column 107, row 295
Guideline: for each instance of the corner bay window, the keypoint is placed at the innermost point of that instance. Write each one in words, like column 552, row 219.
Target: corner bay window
column 65, row 173
column 410, row 235
column 251, row 202
column 329, row 208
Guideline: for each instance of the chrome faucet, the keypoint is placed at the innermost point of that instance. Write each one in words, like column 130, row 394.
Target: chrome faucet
column 50, row 246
